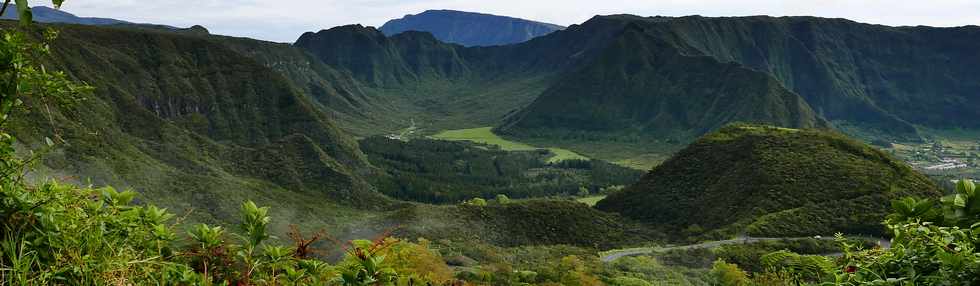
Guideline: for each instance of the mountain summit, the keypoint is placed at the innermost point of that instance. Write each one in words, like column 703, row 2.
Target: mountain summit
column 470, row 29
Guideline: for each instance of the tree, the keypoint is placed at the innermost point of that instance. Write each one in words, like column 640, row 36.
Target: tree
column 583, row 191
column 22, row 77
column 727, row 274
column 480, row 202
column 503, row 199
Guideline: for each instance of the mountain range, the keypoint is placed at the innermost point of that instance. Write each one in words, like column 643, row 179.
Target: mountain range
column 198, row 122
column 45, row 14
column 663, row 77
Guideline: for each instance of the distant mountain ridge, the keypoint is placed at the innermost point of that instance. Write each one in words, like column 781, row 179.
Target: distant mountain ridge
column 470, row 29
column 851, row 73
column 45, row 14
column 637, row 75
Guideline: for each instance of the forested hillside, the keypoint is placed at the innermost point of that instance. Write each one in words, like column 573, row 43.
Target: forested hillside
column 193, row 125
column 435, row 171
column 642, row 85
column 772, row 182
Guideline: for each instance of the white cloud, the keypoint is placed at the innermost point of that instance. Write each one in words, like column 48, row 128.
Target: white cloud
column 285, row 20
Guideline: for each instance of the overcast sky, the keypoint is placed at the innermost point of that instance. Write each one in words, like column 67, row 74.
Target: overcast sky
column 285, row 20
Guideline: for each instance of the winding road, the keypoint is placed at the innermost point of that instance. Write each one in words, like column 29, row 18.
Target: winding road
column 610, row 256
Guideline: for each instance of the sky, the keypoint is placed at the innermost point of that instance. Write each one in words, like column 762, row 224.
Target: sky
column 286, row 20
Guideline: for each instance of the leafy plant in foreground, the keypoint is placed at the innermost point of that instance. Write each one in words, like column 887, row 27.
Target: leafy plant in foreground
column 933, row 244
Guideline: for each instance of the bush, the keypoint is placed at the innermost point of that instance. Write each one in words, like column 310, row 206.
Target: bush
column 726, row 274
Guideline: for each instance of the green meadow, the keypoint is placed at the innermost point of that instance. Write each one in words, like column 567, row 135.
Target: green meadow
column 485, row 135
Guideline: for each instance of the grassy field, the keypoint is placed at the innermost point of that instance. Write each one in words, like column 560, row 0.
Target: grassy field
column 484, row 135
column 590, row 200
column 641, row 154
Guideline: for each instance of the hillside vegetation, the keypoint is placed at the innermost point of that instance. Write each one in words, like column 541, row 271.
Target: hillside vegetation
column 642, row 85
column 196, row 127
column 766, row 181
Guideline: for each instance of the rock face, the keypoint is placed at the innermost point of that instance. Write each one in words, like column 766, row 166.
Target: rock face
column 470, row 29
column 768, row 181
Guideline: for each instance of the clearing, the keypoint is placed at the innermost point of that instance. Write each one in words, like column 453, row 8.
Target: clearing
column 484, row 135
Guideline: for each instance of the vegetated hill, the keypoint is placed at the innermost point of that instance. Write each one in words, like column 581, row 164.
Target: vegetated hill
column 470, row 29
column 436, row 171
column 767, row 181
column 347, row 100
column 642, row 85
column 194, row 125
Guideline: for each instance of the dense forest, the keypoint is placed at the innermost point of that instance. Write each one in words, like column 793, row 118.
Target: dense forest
column 435, row 171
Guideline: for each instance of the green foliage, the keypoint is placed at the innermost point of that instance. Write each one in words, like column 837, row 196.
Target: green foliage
column 929, row 248
column 911, row 208
column 748, row 256
column 727, row 274
column 477, row 202
column 56, row 233
column 802, row 268
column 644, row 270
column 962, row 208
column 629, row 281
column 502, row 199
column 921, row 253
column 547, row 222
column 378, row 262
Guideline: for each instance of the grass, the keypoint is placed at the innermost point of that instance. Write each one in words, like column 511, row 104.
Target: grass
column 643, row 162
column 590, row 200
column 485, row 135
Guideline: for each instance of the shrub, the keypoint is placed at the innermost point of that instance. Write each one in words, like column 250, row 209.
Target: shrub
column 728, row 274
